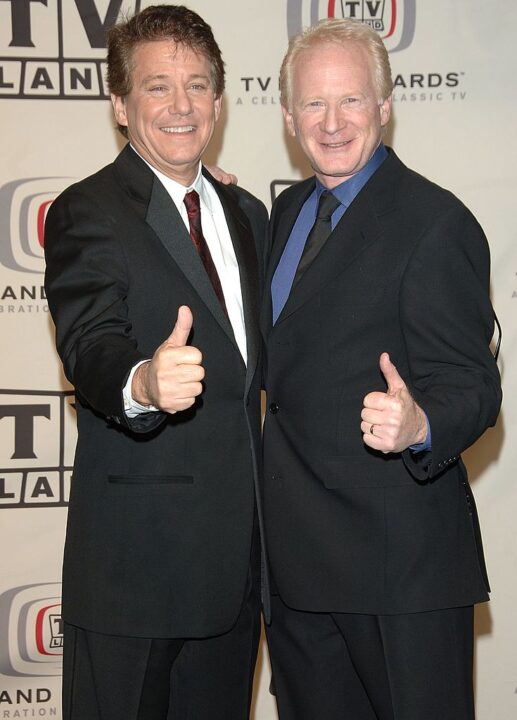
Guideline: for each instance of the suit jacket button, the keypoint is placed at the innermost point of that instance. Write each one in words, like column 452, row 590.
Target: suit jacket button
column 273, row 408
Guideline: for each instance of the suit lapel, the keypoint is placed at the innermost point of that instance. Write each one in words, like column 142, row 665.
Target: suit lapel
column 165, row 220
column 244, row 247
column 280, row 228
column 161, row 214
column 356, row 231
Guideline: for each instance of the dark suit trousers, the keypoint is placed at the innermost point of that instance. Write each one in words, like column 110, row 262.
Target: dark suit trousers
column 340, row 666
column 107, row 677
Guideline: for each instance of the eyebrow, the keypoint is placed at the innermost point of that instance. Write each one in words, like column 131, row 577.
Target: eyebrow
column 165, row 76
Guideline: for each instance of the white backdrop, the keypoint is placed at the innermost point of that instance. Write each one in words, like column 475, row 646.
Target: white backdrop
column 454, row 118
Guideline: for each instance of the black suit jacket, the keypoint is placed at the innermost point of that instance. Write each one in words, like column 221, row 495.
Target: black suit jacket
column 162, row 506
column 349, row 529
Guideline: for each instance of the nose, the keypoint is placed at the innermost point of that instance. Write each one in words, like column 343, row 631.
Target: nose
column 180, row 103
column 333, row 120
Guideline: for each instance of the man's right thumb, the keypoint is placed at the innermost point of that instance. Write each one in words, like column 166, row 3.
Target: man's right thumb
column 182, row 328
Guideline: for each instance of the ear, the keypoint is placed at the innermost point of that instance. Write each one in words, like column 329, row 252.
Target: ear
column 218, row 103
column 289, row 121
column 385, row 111
column 119, row 109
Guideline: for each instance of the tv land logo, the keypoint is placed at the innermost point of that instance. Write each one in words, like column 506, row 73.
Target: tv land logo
column 38, row 434
column 394, row 20
column 31, row 626
column 23, row 208
column 56, row 49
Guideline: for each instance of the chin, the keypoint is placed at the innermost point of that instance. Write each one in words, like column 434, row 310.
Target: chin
column 337, row 173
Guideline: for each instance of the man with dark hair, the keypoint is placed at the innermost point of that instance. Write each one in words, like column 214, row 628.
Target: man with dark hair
column 378, row 322
column 153, row 281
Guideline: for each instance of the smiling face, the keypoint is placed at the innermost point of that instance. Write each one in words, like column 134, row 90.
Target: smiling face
column 171, row 110
column 335, row 111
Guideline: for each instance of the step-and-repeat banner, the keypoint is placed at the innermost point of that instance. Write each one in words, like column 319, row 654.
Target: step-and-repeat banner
column 455, row 103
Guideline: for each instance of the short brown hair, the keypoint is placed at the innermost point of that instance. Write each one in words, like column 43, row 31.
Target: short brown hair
column 340, row 32
column 160, row 22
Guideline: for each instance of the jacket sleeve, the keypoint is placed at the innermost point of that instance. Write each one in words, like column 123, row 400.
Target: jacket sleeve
column 86, row 283
column 447, row 322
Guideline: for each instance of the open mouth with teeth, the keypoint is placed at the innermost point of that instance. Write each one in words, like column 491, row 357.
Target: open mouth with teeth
column 335, row 145
column 178, row 130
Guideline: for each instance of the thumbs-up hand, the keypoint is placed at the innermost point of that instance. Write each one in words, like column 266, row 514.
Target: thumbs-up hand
column 171, row 380
column 392, row 420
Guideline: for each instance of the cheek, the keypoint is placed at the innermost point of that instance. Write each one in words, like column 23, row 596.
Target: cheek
column 373, row 124
column 304, row 130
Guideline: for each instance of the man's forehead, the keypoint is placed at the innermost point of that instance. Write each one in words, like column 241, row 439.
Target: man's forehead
column 337, row 62
column 166, row 49
column 350, row 49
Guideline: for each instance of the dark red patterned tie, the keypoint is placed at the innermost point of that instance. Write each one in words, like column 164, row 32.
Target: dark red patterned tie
column 191, row 201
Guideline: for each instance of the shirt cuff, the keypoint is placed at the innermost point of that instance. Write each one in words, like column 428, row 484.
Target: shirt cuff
column 132, row 408
column 426, row 445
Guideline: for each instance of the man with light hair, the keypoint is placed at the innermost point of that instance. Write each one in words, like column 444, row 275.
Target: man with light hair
column 377, row 322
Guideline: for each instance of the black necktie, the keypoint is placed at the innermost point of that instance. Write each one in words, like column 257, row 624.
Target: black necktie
column 191, row 201
column 319, row 232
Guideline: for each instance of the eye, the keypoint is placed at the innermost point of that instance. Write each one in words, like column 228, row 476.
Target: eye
column 315, row 104
column 158, row 89
column 198, row 87
column 354, row 102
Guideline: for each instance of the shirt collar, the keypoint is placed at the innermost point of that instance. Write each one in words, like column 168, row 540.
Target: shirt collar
column 176, row 190
column 348, row 189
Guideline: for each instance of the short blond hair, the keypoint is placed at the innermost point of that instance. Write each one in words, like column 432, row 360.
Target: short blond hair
column 340, row 32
